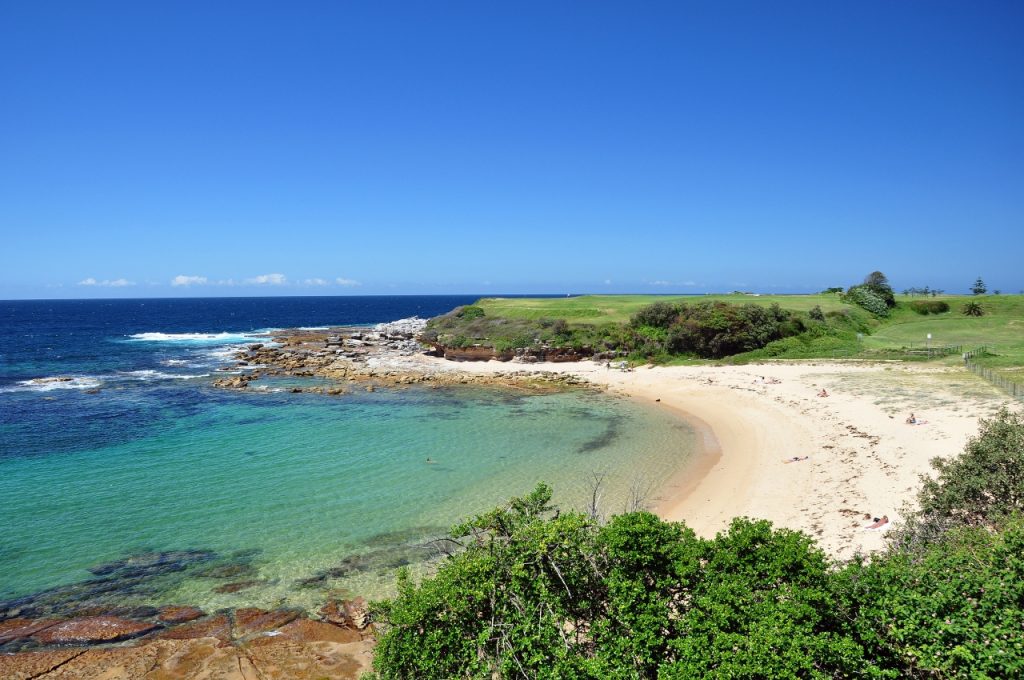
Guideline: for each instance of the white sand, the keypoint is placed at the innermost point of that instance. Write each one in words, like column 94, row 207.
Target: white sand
column 863, row 459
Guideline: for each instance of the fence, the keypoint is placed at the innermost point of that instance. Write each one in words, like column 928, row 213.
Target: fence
column 1014, row 389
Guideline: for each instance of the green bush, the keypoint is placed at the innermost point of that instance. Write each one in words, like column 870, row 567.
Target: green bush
column 816, row 313
column 985, row 483
column 953, row 610
column 656, row 315
column 929, row 306
column 470, row 312
column 868, row 299
column 973, row 309
column 541, row 594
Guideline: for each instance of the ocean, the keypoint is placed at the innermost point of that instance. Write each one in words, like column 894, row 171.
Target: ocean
column 127, row 479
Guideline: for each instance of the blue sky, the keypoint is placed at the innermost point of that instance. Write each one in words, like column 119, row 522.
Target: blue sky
column 508, row 147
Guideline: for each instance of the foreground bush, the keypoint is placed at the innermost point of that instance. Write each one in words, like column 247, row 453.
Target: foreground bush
column 954, row 609
column 554, row 595
column 985, row 484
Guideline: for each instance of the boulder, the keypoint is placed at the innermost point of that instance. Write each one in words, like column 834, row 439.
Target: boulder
column 90, row 630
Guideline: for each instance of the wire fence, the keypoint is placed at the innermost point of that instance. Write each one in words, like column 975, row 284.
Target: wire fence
column 1014, row 389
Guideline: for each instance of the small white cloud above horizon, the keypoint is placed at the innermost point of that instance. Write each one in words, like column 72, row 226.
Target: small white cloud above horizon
column 268, row 280
column 106, row 283
column 316, row 282
column 183, row 280
column 660, row 283
column 346, row 282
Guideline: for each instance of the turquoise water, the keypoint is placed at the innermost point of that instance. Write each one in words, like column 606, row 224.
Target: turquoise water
column 300, row 495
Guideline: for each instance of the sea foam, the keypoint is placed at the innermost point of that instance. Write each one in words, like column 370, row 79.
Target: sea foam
column 197, row 338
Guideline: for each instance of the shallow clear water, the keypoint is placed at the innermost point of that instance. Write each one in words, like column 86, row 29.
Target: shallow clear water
column 296, row 496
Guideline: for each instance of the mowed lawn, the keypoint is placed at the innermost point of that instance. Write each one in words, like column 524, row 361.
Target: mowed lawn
column 597, row 309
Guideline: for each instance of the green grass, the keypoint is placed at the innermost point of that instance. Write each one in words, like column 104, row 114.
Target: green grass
column 597, row 309
column 1001, row 329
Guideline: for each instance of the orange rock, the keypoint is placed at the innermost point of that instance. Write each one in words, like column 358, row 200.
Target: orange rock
column 214, row 627
column 179, row 614
column 92, row 630
column 12, row 629
column 306, row 630
column 250, row 620
column 27, row 665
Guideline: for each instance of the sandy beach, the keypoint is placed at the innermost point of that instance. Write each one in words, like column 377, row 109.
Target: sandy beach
column 859, row 458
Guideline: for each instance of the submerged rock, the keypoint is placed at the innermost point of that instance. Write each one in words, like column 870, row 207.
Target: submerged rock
column 92, row 630
column 218, row 627
column 173, row 615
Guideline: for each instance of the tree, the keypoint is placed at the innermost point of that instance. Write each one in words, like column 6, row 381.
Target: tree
column 878, row 284
column 979, row 287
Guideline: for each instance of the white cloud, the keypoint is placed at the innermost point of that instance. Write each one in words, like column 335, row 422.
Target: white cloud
column 607, row 282
column 689, row 283
column 182, row 280
column 346, row 282
column 661, row 283
column 107, row 283
column 317, row 282
column 268, row 280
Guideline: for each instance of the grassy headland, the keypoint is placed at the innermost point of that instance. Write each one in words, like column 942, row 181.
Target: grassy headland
column 824, row 325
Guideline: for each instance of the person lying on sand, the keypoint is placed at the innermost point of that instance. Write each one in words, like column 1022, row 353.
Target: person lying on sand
column 879, row 522
column 912, row 420
column 823, row 392
column 795, row 459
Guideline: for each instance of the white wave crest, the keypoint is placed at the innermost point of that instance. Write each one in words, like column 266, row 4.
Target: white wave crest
column 150, row 374
column 58, row 382
column 196, row 338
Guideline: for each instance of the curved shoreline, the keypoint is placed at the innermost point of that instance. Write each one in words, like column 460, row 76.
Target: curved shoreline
column 862, row 459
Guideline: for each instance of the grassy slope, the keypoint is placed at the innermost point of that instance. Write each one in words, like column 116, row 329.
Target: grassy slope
column 1001, row 329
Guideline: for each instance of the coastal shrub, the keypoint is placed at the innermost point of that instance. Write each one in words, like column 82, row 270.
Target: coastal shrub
column 973, row 309
column 985, row 483
column 816, row 313
column 866, row 298
column 953, row 609
column 470, row 312
column 656, row 315
column 929, row 306
column 541, row 593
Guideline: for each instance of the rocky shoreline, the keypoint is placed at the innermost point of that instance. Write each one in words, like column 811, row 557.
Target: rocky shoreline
column 186, row 642
column 365, row 359
column 88, row 629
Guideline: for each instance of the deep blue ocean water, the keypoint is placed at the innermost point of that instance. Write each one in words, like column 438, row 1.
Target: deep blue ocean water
column 126, row 477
